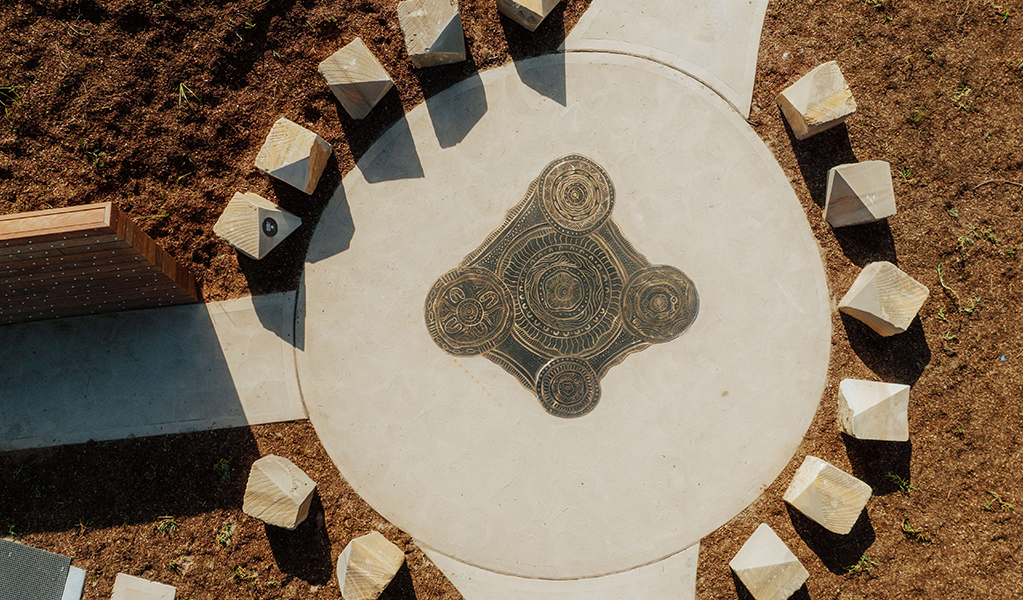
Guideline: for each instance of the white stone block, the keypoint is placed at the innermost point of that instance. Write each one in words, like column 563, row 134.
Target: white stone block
column 767, row 567
column 367, row 565
column 820, row 100
column 127, row 587
column 827, row 495
column 356, row 77
column 433, row 32
column 871, row 410
column 294, row 155
column 528, row 13
column 278, row 492
column 254, row 225
column 884, row 298
column 859, row 193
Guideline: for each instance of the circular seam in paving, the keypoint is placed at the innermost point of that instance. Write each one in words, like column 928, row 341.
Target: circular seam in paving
column 457, row 451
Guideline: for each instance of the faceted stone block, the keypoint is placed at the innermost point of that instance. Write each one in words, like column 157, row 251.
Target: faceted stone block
column 356, row 77
column 294, row 155
column 254, row 225
column 278, row 493
column 127, row 587
column 528, row 13
column 767, row 567
column 827, row 495
column 820, row 100
column 433, row 32
column 871, row 410
column 884, row 298
column 859, row 193
column 367, row 565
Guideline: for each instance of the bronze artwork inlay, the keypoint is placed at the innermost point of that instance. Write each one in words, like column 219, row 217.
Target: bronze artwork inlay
column 557, row 295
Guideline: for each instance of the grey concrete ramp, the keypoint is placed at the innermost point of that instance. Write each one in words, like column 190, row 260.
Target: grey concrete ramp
column 148, row 372
column 455, row 450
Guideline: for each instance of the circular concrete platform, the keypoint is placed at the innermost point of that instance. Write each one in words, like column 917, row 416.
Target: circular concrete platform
column 455, row 450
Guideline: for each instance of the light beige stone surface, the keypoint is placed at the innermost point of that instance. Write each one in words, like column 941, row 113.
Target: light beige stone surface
column 127, row 587
column 367, row 565
column 254, row 225
column 528, row 13
column 294, row 155
column 859, row 193
column 356, row 77
column 433, row 32
column 872, row 410
column 278, row 492
column 827, row 495
column 819, row 101
column 767, row 567
column 885, row 298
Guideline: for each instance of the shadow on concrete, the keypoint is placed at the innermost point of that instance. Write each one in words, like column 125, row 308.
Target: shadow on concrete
column 337, row 227
column 398, row 160
column 867, row 243
column 305, row 552
column 837, row 552
column 401, row 587
column 900, row 358
column 109, row 484
column 882, row 465
column 385, row 122
column 453, row 116
column 550, row 81
column 744, row 594
column 819, row 153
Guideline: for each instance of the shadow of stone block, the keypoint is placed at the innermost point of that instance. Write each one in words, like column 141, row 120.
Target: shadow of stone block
column 305, row 552
column 900, row 358
column 819, row 153
column 401, row 587
column 867, row 243
column 836, row 551
column 743, row 594
column 876, row 462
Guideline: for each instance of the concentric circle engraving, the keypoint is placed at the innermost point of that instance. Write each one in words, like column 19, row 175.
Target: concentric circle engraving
column 567, row 292
column 568, row 387
column 659, row 304
column 468, row 311
column 576, row 195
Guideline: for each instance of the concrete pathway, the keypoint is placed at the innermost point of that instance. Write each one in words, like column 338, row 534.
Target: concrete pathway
column 148, row 372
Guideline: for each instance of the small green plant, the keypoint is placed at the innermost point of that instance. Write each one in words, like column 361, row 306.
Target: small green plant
column 955, row 296
column 82, row 525
column 1003, row 13
column 953, row 212
column 1020, row 65
column 184, row 92
column 226, row 535
column 8, row 96
column 11, row 533
column 962, row 98
column 181, row 564
column 864, row 565
column 240, row 573
column 906, row 173
column 1010, row 251
column 1001, row 504
column 903, row 484
column 249, row 25
column 97, row 157
column 914, row 533
column 223, row 469
column 874, row 3
column 917, row 115
column 167, row 524
column 959, row 432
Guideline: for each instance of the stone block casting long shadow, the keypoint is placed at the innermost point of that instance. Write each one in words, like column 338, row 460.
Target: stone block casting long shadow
column 900, row 358
column 547, row 39
column 305, row 552
column 882, row 465
column 817, row 154
column 837, row 552
column 743, row 594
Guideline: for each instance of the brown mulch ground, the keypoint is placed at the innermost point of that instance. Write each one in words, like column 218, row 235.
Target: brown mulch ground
column 98, row 112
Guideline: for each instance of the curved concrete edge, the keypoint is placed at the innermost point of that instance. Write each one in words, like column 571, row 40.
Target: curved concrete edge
column 673, row 578
column 715, row 41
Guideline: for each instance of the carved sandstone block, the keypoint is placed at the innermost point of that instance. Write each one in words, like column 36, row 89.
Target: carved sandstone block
column 356, row 77
column 819, row 101
column 278, row 492
column 528, row 13
column 871, row 410
column 433, row 32
column 767, row 567
column 367, row 565
column 884, row 298
column 127, row 587
column 859, row 193
column 828, row 495
column 254, row 225
column 294, row 155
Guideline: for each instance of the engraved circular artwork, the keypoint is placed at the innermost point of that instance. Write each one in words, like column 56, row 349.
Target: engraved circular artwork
column 659, row 304
column 568, row 387
column 576, row 195
column 269, row 227
column 468, row 311
column 562, row 264
column 567, row 293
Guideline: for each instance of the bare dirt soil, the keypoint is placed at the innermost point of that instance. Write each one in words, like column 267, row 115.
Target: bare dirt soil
column 163, row 107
